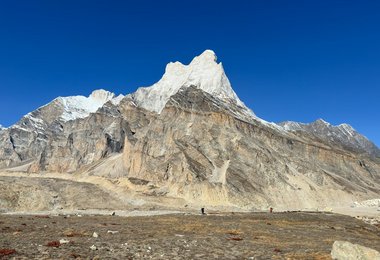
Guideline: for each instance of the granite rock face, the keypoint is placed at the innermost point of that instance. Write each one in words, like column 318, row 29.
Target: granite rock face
column 197, row 149
column 197, row 141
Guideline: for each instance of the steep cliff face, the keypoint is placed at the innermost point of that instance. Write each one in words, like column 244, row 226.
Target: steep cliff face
column 197, row 150
column 190, row 137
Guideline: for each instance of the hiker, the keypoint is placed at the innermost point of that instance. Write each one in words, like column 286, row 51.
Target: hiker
column 203, row 211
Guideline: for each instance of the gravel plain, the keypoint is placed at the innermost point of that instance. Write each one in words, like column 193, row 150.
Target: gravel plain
column 289, row 235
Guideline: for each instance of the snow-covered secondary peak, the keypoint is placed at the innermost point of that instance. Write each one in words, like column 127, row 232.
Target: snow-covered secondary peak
column 65, row 109
column 75, row 107
column 343, row 134
column 203, row 72
column 319, row 125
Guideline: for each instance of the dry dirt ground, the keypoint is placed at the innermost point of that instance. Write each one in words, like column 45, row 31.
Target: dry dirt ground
column 292, row 235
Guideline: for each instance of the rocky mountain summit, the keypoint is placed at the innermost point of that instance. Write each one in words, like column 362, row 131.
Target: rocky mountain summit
column 45, row 131
column 190, row 137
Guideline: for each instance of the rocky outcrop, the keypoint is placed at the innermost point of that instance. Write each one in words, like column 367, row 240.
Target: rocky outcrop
column 343, row 250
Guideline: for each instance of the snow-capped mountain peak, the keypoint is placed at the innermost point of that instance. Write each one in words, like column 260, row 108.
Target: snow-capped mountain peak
column 208, row 56
column 80, row 106
column 203, row 72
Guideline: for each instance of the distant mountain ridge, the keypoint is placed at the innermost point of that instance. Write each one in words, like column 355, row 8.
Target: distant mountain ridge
column 343, row 135
column 208, row 75
column 189, row 136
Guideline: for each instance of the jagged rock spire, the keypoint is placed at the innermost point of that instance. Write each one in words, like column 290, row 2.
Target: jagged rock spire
column 203, row 72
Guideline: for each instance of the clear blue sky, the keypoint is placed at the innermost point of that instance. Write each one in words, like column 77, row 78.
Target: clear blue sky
column 287, row 60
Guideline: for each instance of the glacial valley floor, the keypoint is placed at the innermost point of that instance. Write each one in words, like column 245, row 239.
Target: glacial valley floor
column 291, row 235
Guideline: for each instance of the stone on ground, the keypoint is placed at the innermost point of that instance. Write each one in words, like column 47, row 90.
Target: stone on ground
column 343, row 250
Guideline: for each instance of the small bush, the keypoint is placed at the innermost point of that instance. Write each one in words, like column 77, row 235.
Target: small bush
column 7, row 251
column 53, row 244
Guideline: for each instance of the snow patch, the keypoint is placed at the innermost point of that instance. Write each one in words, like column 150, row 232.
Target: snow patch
column 116, row 101
column 23, row 129
column 291, row 126
column 347, row 129
column 36, row 122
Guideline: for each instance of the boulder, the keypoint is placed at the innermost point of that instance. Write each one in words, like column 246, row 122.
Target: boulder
column 343, row 250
